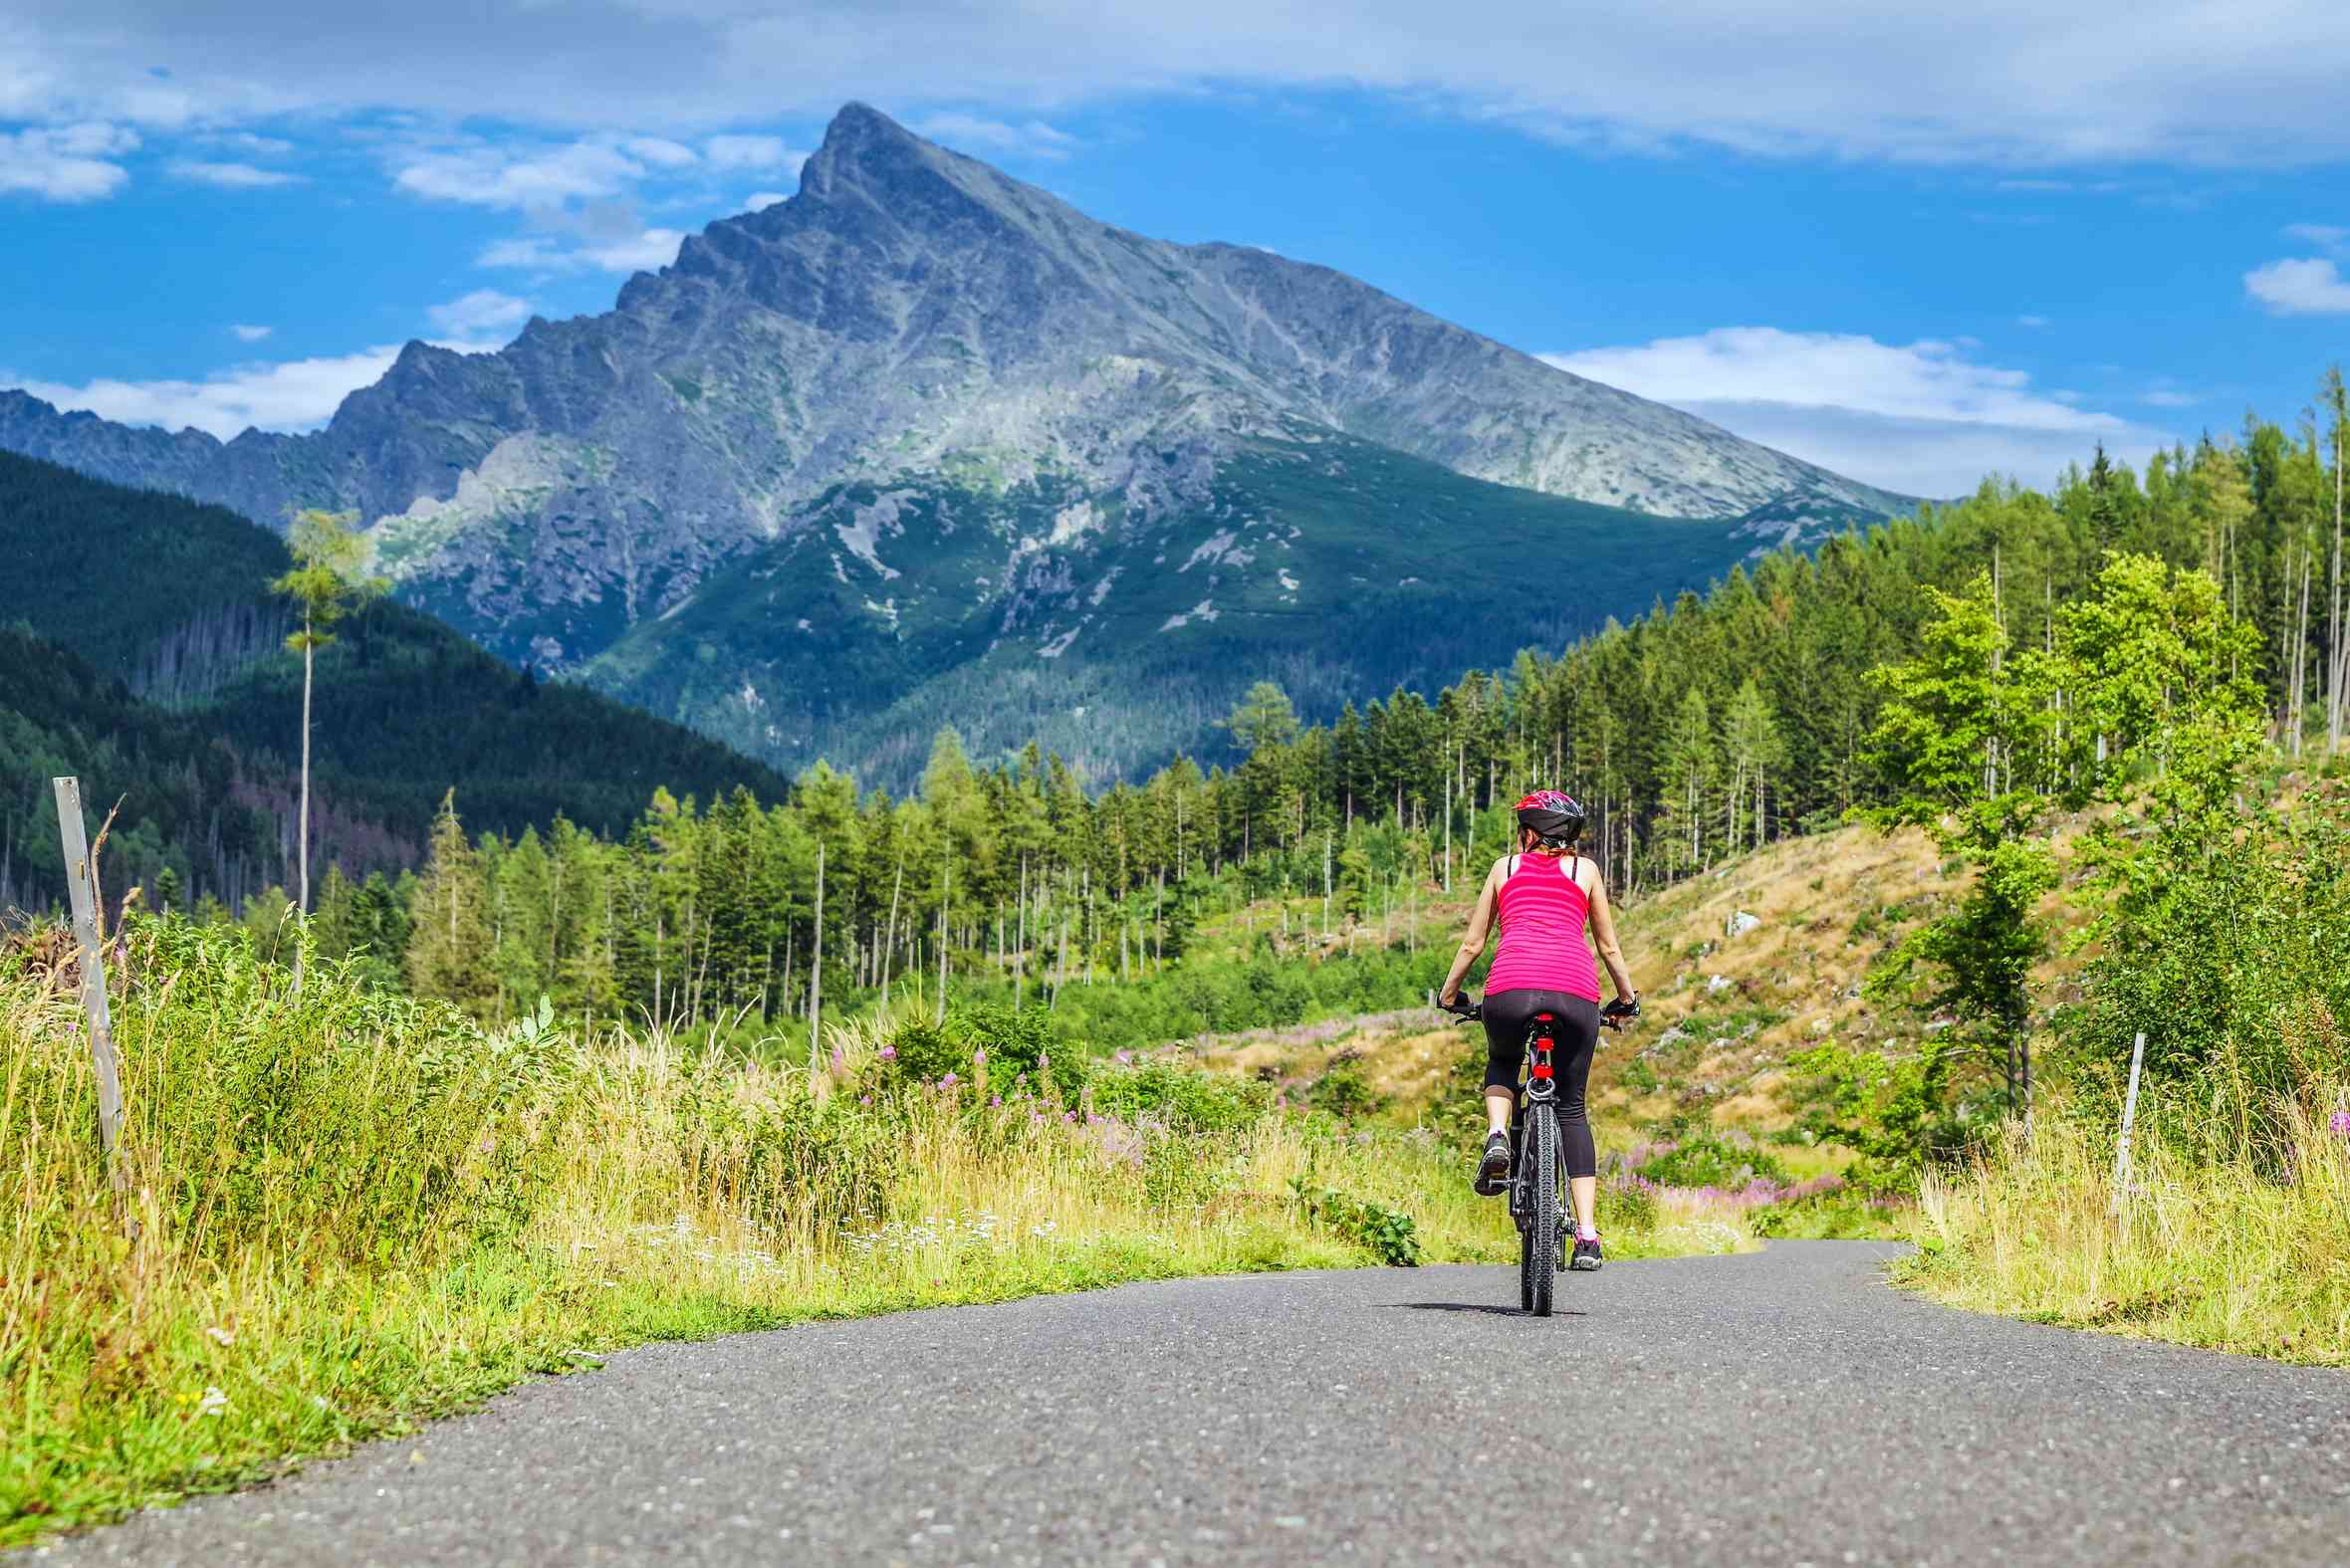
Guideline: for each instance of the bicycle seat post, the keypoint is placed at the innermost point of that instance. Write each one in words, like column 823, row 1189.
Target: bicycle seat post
column 1541, row 1038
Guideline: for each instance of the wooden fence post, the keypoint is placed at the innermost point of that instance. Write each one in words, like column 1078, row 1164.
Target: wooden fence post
column 81, row 887
column 2121, row 1154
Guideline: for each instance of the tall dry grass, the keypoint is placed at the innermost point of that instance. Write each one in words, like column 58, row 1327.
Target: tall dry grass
column 2245, row 1252
column 349, row 1210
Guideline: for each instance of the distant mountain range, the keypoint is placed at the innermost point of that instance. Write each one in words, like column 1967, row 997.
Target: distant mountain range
column 148, row 657
column 926, row 444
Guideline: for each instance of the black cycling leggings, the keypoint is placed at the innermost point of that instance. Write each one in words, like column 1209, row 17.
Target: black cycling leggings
column 1507, row 1013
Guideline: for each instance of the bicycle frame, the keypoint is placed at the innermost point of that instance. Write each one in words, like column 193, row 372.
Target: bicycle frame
column 1535, row 1205
column 1539, row 1086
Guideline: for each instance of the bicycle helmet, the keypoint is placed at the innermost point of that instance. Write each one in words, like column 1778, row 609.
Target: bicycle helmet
column 1554, row 816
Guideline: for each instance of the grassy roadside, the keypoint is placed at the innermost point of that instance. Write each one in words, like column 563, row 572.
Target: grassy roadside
column 2245, row 1255
column 354, row 1213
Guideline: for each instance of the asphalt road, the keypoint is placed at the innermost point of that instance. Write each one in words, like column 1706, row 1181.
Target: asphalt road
column 1782, row 1407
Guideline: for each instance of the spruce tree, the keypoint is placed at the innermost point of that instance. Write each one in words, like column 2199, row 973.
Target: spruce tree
column 449, row 944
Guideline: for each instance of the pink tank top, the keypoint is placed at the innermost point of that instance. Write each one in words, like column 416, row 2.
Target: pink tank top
column 1543, row 947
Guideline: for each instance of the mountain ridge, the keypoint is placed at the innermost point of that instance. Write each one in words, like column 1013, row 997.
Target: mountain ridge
column 915, row 320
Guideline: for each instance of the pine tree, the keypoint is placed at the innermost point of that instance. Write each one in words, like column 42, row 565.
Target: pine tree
column 329, row 559
column 1749, row 735
column 448, row 952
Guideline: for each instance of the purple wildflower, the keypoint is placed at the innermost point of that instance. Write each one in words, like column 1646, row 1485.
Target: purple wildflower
column 864, row 1099
column 978, row 1057
column 995, row 1099
column 890, row 1053
column 1124, row 1057
column 1069, row 1116
column 947, row 1082
column 2339, row 1124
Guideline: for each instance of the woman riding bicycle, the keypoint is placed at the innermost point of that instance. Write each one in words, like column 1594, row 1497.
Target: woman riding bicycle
column 1545, row 893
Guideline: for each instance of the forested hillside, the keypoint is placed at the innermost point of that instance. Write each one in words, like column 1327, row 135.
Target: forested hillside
column 147, row 655
column 1702, row 729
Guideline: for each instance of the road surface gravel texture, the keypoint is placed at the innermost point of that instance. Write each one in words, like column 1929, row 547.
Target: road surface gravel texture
column 1786, row 1406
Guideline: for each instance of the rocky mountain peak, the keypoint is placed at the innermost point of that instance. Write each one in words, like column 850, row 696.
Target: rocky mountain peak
column 918, row 341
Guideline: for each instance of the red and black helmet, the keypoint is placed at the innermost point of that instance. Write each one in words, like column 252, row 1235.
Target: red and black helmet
column 1553, row 815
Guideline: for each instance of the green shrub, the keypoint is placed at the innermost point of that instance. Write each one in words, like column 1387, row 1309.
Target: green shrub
column 1389, row 1235
column 1345, row 1092
column 1627, row 1204
column 1709, row 1159
column 1015, row 1041
column 1183, row 1098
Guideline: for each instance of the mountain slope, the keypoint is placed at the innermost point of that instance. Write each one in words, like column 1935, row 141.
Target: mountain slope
column 1339, row 568
column 168, row 651
column 914, row 320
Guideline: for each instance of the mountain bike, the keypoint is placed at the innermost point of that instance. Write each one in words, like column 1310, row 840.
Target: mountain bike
column 1538, row 1162
column 1537, row 1172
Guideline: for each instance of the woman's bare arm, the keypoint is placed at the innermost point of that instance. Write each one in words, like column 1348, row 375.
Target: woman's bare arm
column 1480, row 920
column 1603, row 934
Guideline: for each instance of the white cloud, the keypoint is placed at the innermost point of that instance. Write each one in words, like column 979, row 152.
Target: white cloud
column 752, row 152
column 2328, row 236
column 2017, row 81
column 1922, row 418
column 229, row 176
column 249, row 142
column 2301, row 285
column 995, row 138
column 761, row 200
column 65, row 163
column 647, row 251
column 496, row 176
column 483, row 314
column 291, row 394
column 658, row 151
column 250, row 335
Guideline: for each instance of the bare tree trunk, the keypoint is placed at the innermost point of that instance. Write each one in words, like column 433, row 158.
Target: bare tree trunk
column 1448, row 832
column 2337, row 654
column 302, row 819
column 816, row 977
column 889, row 933
column 1326, row 886
column 2297, row 694
column 309, row 658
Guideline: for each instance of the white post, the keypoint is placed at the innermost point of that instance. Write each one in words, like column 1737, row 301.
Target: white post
column 82, row 888
column 2121, row 1156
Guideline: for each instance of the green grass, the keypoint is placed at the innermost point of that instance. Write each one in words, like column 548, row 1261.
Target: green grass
column 2249, row 1254
column 351, row 1213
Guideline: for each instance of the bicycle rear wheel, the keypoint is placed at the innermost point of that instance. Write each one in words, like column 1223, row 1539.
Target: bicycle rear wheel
column 1541, row 1252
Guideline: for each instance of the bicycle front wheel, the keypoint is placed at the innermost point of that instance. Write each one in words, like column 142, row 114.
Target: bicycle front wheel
column 1542, row 1230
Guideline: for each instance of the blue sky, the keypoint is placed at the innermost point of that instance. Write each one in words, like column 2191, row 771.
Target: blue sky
column 1915, row 240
